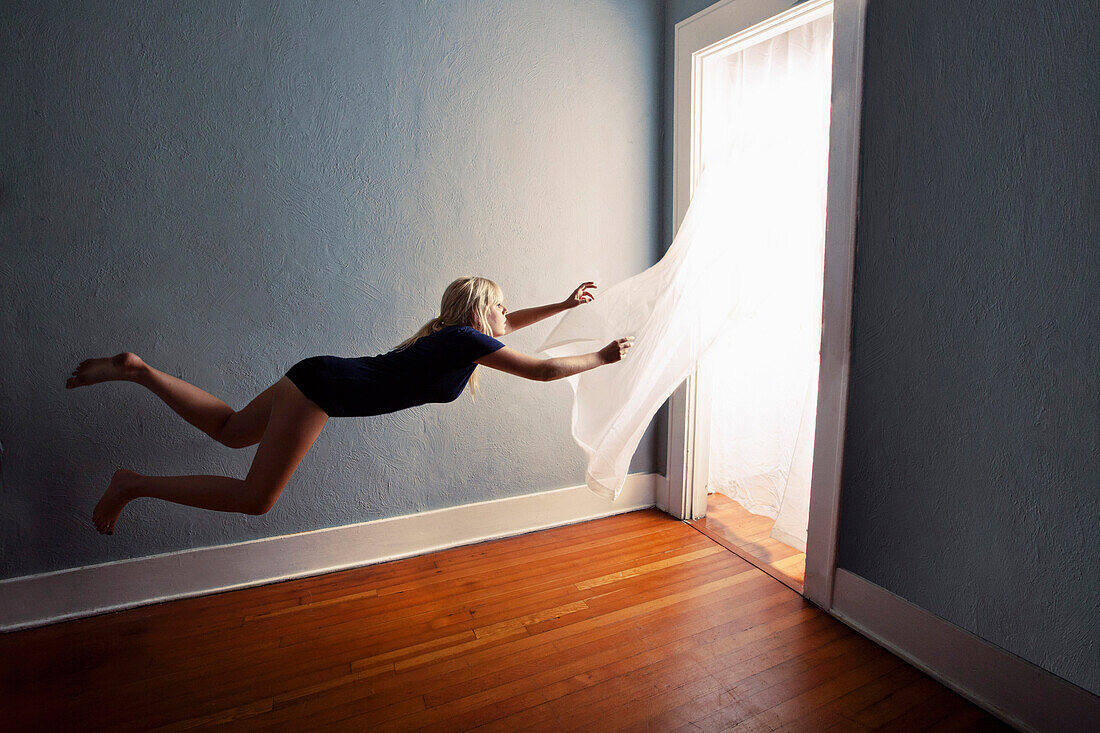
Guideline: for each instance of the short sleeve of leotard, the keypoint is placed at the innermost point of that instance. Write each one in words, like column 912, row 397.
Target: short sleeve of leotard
column 470, row 344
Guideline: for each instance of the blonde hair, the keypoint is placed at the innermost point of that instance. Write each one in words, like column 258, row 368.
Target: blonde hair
column 466, row 302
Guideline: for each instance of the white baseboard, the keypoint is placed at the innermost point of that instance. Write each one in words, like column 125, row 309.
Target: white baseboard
column 1011, row 688
column 37, row 600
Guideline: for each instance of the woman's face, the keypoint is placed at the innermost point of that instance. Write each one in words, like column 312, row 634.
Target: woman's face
column 498, row 318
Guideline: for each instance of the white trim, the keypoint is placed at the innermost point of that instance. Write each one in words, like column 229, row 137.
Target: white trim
column 773, row 26
column 37, row 600
column 1013, row 689
column 836, row 312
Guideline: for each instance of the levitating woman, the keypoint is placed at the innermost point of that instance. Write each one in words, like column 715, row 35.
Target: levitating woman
column 434, row 365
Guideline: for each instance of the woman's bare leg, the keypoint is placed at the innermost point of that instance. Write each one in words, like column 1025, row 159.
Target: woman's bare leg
column 209, row 414
column 293, row 426
column 218, row 493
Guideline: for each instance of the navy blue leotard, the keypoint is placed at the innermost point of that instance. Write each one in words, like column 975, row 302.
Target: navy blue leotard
column 434, row 369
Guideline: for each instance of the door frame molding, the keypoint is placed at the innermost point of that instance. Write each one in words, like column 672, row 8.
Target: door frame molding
column 686, row 491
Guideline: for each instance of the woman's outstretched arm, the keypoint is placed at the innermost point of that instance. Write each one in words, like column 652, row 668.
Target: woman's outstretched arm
column 522, row 318
column 507, row 359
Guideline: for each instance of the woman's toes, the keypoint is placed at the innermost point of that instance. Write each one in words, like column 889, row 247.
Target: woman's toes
column 119, row 367
column 114, row 500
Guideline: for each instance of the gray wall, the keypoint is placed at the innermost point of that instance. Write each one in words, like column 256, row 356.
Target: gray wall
column 971, row 482
column 227, row 188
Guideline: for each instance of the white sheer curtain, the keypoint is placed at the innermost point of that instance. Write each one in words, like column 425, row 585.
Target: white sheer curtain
column 742, row 271
column 764, row 369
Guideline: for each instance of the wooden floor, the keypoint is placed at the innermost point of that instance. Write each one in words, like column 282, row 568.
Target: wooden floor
column 749, row 536
column 635, row 622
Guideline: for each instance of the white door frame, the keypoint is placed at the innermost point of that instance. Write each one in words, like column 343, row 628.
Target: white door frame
column 688, row 426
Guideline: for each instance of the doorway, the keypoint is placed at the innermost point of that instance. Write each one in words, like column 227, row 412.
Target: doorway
column 750, row 407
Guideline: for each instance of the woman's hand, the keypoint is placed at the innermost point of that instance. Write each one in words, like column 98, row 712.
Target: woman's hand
column 616, row 350
column 580, row 296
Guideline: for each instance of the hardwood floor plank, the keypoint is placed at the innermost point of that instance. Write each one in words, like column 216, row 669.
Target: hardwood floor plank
column 646, row 568
column 841, row 726
column 581, row 625
column 853, row 705
column 574, row 661
column 801, row 701
column 683, row 669
column 389, row 692
column 583, row 700
column 589, row 657
column 971, row 719
column 222, row 717
column 482, row 663
column 760, row 679
column 906, row 687
column 934, row 702
column 485, row 592
column 584, row 667
column 547, row 690
column 564, row 594
column 750, row 533
column 372, row 711
column 537, row 718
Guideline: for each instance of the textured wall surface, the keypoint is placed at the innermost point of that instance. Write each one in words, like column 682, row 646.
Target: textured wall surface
column 675, row 11
column 227, row 188
column 971, row 482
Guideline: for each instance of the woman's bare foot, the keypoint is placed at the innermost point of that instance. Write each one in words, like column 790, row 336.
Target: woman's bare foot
column 115, row 498
column 123, row 366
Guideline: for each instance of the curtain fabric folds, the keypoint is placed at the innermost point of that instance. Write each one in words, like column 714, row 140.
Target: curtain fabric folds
column 744, row 270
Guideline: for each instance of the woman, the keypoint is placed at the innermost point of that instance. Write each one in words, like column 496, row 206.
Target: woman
column 434, row 365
